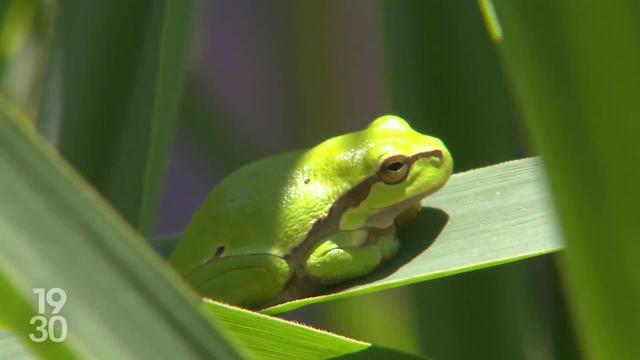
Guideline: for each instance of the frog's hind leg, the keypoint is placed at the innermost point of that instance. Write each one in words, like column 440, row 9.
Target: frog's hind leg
column 244, row 280
column 350, row 254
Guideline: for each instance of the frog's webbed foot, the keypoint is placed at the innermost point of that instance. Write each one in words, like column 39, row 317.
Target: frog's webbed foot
column 244, row 280
column 350, row 254
column 340, row 257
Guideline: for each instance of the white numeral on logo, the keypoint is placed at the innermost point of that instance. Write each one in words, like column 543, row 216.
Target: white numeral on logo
column 56, row 297
column 42, row 329
column 57, row 336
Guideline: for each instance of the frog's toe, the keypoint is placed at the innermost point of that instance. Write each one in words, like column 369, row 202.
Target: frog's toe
column 244, row 280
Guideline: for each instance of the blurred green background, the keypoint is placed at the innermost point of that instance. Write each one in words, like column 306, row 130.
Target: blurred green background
column 264, row 77
column 267, row 77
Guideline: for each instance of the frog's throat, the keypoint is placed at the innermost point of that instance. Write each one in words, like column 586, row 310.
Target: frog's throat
column 386, row 216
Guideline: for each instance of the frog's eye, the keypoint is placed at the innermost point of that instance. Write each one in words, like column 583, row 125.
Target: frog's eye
column 394, row 169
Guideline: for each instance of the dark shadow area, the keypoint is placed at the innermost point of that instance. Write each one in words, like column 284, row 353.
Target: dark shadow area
column 415, row 238
column 374, row 352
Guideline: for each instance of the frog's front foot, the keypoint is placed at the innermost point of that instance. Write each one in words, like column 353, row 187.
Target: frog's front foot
column 350, row 254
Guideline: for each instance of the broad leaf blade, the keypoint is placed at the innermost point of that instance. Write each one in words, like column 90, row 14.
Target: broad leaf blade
column 55, row 231
column 481, row 218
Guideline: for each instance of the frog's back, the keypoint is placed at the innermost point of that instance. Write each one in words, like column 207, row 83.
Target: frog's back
column 266, row 206
column 261, row 204
column 269, row 205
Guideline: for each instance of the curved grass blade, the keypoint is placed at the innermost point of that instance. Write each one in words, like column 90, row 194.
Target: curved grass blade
column 123, row 301
column 575, row 70
column 265, row 338
column 484, row 217
column 121, row 65
column 270, row 338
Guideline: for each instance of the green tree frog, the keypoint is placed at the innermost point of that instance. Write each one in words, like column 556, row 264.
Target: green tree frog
column 284, row 226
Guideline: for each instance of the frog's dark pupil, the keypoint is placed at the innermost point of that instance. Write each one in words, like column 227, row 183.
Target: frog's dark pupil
column 396, row 166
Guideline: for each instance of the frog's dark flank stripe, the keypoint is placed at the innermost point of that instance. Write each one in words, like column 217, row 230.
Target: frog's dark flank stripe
column 330, row 224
